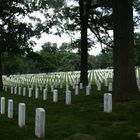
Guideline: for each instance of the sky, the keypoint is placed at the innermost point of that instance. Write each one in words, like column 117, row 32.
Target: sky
column 56, row 39
column 59, row 40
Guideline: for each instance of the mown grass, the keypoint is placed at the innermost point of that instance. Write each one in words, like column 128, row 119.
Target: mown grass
column 85, row 115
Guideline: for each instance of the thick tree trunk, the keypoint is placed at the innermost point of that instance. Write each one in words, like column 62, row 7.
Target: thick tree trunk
column 124, row 83
column 84, row 55
column 1, row 82
column 84, row 15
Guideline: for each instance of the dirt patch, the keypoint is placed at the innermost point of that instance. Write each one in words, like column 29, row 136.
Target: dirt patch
column 138, row 135
column 79, row 136
column 115, row 123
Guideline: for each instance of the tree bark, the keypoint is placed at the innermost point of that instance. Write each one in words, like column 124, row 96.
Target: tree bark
column 124, row 82
column 1, row 82
column 84, row 16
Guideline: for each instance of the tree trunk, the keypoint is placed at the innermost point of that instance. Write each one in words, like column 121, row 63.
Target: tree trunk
column 1, row 82
column 124, row 83
column 84, row 15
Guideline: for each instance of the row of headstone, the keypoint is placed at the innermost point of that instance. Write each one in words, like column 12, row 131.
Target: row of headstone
column 107, row 105
column 45, row 94
column 56, row 78
column 99, row 75
column 18, row 90
column 39, row 116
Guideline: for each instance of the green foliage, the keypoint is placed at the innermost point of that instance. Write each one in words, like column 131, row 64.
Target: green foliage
column 103, row 60
column 62, row 58
column 67, row 20
column 44, row 4
column 48, row 63
column 137, row 49
column 14, row 33
column 49, row 47
column 65, row 47
column 13, row 64
column 70, row 62
column 99, row 21
column 58, row 59
column 136, row 5
column 53, row 59
column 91, row 62
column 49, row 59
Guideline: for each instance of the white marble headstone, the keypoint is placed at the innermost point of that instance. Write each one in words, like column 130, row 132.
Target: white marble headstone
column 87, row 90
column 67, row 87
column 19, row 90
column 99, row 86
column 110, row 87
column 21, row 114
column 76, row 90
column 68, row 97
column 81, row 85
column 15, row 90
column 45, row 94
column 24, row 91
column 40, row 123
column 107, row 102
column 10, row 108
column 30, row 92
column 2, row 107
column 12, row 90
column 55, row 95
column 36, row 93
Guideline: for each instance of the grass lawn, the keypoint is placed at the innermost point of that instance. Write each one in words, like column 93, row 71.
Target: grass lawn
column 85, row 115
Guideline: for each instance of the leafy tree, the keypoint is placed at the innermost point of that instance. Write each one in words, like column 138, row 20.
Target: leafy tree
column 48, row 57
column 65, row 47
column 32, row 61
column 81, row 18
column 49, row 47
column 14, row 33
column 57, row 59
column 99, row 21
column 13, row 64
column 91, row 62
column 70, row 62
column 103, row 60
column 48, row 62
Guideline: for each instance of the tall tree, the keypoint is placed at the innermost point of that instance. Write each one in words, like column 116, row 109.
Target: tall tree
column 14, row 33
column 124, row 83
column 84, row 8
column 81, row 18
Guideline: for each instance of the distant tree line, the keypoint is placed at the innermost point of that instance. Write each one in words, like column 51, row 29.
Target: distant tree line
column 51, row 59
